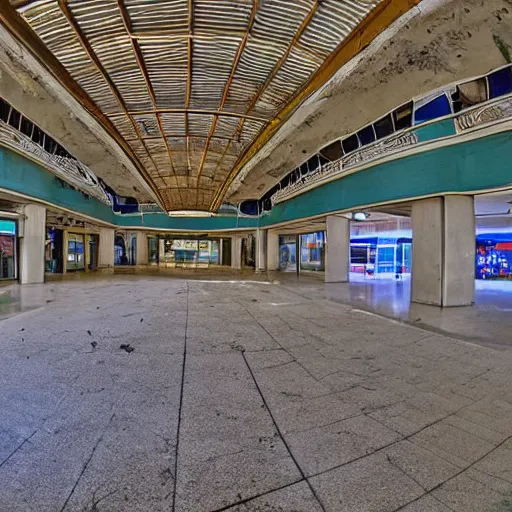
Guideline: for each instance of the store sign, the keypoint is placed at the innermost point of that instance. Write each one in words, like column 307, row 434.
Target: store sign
column 7, row 227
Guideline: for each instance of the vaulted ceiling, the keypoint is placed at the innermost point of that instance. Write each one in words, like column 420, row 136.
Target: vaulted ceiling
column 192, row 89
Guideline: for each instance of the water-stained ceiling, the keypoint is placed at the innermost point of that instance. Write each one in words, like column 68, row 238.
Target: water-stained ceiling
column 191, row 89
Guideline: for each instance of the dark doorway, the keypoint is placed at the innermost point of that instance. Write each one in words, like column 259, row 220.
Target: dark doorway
column 226, row 252
column 120, row 256
column 92, row 257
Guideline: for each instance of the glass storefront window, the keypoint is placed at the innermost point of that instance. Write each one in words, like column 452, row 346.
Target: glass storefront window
column 288, row 253
column 7, row 249
column 194, row 252
column 53, row 250
column 312, row 251
column 76, row 256
column 152, row 250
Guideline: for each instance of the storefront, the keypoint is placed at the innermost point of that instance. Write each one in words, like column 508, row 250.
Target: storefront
column 125, row 248
column 309, row 257
column 493, row 256
column 54, row 250
column 73, row 249
column 288, row 253
column 8, row 249
column 312, row 251
column 380, row 257
column 191, row 252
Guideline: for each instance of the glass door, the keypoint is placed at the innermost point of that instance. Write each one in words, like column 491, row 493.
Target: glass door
column 76, row 255
column 7, row 257
column 288, row 253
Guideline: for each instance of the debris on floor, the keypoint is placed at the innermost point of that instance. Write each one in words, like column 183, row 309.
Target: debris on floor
column 126, row 347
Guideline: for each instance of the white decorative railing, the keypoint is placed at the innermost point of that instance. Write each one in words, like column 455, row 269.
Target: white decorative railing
column 484, row 114
column 69, row 170
column 393, row 144
column 491, row 112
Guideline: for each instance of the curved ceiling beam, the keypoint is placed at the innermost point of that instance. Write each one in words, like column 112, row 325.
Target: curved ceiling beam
column 370, row 27
column 225, row 93
column 22, row 31
column 149, row 86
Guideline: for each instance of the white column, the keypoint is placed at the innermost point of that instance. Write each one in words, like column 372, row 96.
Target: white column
column 443, row 257
column 272, row 250
column 106, row 248
column 32, row 244
column 261, row 253
column 142, row 248
column 337, row 250
column 236, row 252
column 161, row 251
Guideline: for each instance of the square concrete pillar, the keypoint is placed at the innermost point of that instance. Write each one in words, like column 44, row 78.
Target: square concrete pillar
column 106, row 248
column 337, row 251
column 272, row 250
column 236, row 252
column 161, row 251
column 142, row 248
column 261, row 250
column 443, row 257
column 32, row 244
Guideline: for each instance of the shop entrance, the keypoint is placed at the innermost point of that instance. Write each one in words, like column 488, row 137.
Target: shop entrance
column 120, row 256
column 8, row 255
column 189, row 253
column 226, row 252
column 54, row 251
column 288, row 253
column 76, row 253
column 248, row 252
column 92, row 256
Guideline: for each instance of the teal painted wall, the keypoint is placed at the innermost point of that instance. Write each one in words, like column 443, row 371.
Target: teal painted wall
column 163, row 221
column 22, row 175
column 437, row 130
column 472, row 166
column 480, row 164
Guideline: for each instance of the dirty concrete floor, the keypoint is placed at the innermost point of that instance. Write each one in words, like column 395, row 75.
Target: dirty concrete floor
column 243, row 396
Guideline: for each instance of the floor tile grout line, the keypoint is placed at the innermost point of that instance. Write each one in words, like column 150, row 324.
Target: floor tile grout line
column 404, row 438
column 359, row 458
column 19, row 447
column 275, row 340
column 303, row 475
column 251, row 498
column 180, row 408
column 456, row 474
column 87, row 462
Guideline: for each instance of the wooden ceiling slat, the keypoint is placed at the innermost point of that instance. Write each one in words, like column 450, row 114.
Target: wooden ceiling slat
column 225, row 93
column 204, row 83
column 140, row 61
column 63, row 5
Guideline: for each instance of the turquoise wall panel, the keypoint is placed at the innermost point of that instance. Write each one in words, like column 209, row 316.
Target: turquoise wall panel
column 20, row 174
column 481, row 164
column 163, row 221
column 437, row 130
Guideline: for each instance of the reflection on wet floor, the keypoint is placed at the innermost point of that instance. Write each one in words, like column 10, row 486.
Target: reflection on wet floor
column 15, row 299
column 488, row 322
